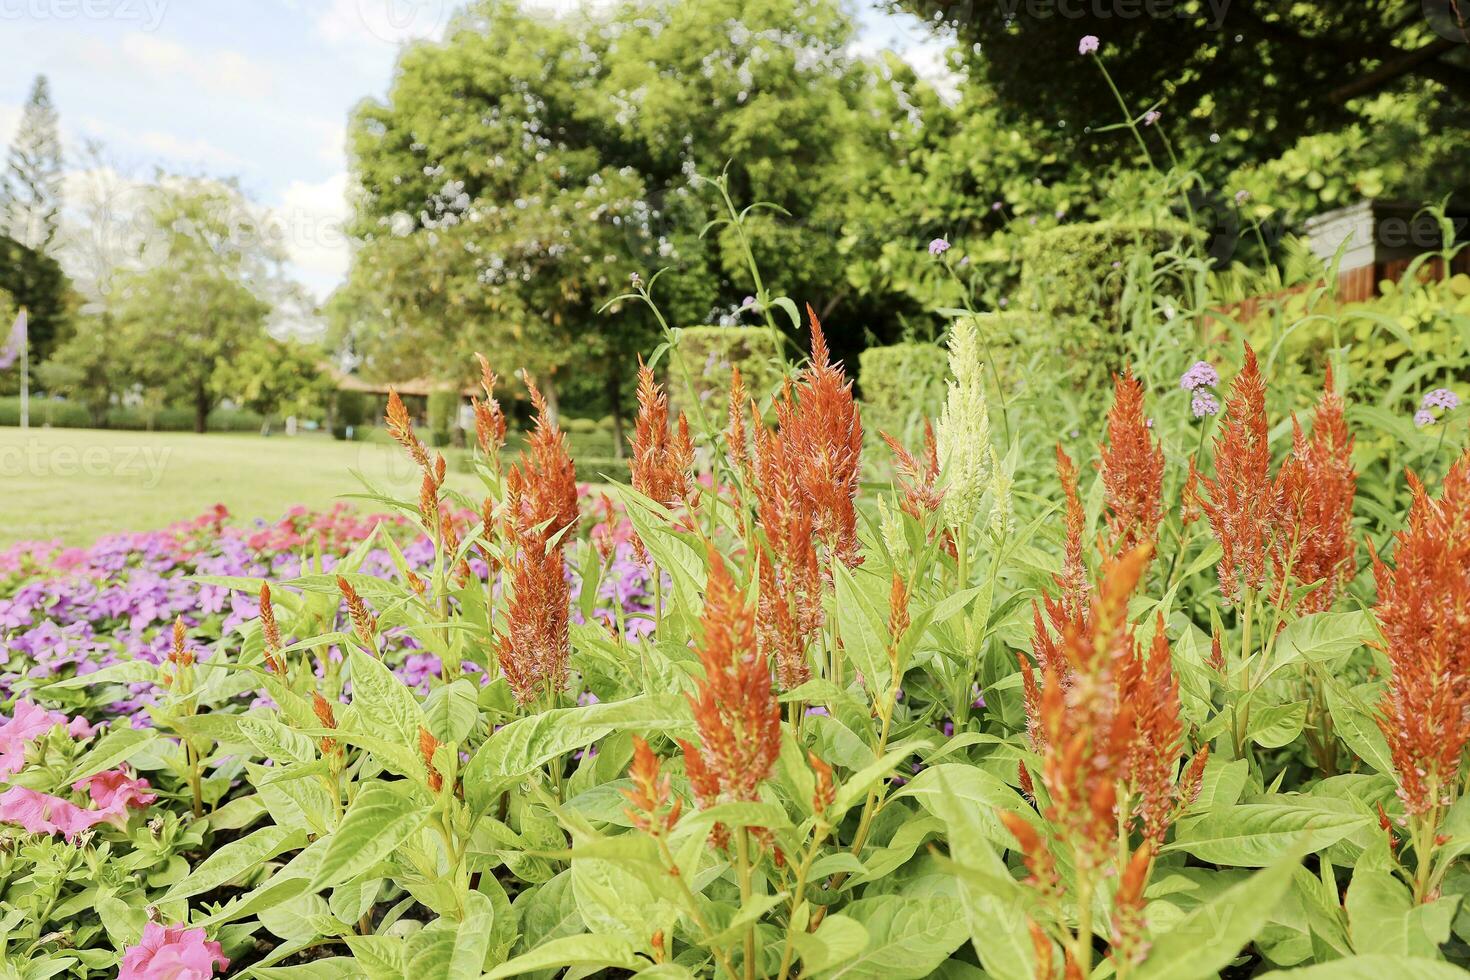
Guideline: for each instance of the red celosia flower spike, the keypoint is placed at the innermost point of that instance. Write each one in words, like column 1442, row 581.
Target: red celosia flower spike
column 650, row 793
column 662, row 461
column 735, row 439
column 547, row 505
column 1424, row 612
column 918, row 479
column 1315, row 492
column 533, row 651
column 1132, row 466
column 1240, row 500
column 400, row 427
column 822, row 436
column 428, row 744
column 489, row 418
column 269, row 631
column 735, row 709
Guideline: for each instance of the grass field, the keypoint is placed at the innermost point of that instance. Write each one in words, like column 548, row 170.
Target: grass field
column 77, row 484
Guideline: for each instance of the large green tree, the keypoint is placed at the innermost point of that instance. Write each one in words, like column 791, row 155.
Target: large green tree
column 36, row 281
column 520, row 171
column 194, row 302
column 31, row 190
column 1256, row 74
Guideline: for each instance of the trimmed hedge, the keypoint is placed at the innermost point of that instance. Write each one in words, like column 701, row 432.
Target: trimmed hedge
column 710, row 352
column 60, row 413
column 901, row 384
column 1068, row 272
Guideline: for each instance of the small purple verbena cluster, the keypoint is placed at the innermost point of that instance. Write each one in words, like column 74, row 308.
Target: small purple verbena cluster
column 68, row 612
column 1441, row 398
column 1089, row 44
column 938, row 247
column 1199, row 379
column 1201, row 374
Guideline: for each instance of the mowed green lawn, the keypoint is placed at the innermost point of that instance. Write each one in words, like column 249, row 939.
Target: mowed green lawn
column 78, row 484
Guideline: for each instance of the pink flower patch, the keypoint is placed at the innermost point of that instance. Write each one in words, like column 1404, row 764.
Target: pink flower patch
column 30, row 721
column 113, row 792
column 40, row 813
column 172, row 953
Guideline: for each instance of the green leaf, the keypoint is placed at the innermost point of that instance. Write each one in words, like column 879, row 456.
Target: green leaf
column 529, row 743
column 379, row 820
column 1276, row 725
column 277, row 742
column 861, row 628
column 472, row 939
column 331, row 968
column 908, row 936
column 1355, row 726
column 128, row 672
column 1254, row 835
column 1376, row 966
column 235, row 859
column 383, row 701
column 1325, row 639
column 114, row 748
column 583, row 951
column 1382, row 917
column 452, row 710
column 1202, row 943
column 837, row 940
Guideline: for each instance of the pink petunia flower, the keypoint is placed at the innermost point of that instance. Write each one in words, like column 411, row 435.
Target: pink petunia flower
column 113, row 792
column 29, row 722
column 172, row 953
column 40, row 813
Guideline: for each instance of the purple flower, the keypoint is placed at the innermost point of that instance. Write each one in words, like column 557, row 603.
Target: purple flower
column 938, row 247
column 1088, row 45
column 818, row 711
column 1440, row 398
column 1204, row 404
column 997, row 205
column 1242, row 196
column 1151, row 117
column 1200, row 375
column 1423, row 417
column 1004, row 302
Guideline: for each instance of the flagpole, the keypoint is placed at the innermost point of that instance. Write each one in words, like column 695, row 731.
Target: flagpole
column 25, row 373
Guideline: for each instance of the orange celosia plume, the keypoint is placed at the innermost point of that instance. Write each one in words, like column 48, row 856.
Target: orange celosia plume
column 1240, row 500
column 1132, row 466
column 735, row 709
column 821, row 439
column 540, row 504
column 1424, row 612
column 1315, row 491
column 662, row 461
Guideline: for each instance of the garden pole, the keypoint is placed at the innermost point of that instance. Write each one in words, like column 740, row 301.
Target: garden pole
column 25, row 371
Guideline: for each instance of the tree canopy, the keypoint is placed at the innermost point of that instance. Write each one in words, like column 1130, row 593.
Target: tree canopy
column 1263, row 73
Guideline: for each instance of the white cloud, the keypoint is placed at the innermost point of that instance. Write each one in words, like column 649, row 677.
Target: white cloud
column 383, row 22
column 309, row 219
column 218, row 70
column 171, row 150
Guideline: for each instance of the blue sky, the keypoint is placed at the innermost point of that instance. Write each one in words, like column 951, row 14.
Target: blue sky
column 256, row 89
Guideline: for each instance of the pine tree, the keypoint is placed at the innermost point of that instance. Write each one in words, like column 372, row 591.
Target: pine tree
column 32, row 201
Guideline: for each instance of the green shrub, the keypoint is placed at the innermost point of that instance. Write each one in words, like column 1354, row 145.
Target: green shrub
column 443, row 416
column 1079, row 270
column 710, row 352
column 65, row 414
column 901, row 384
